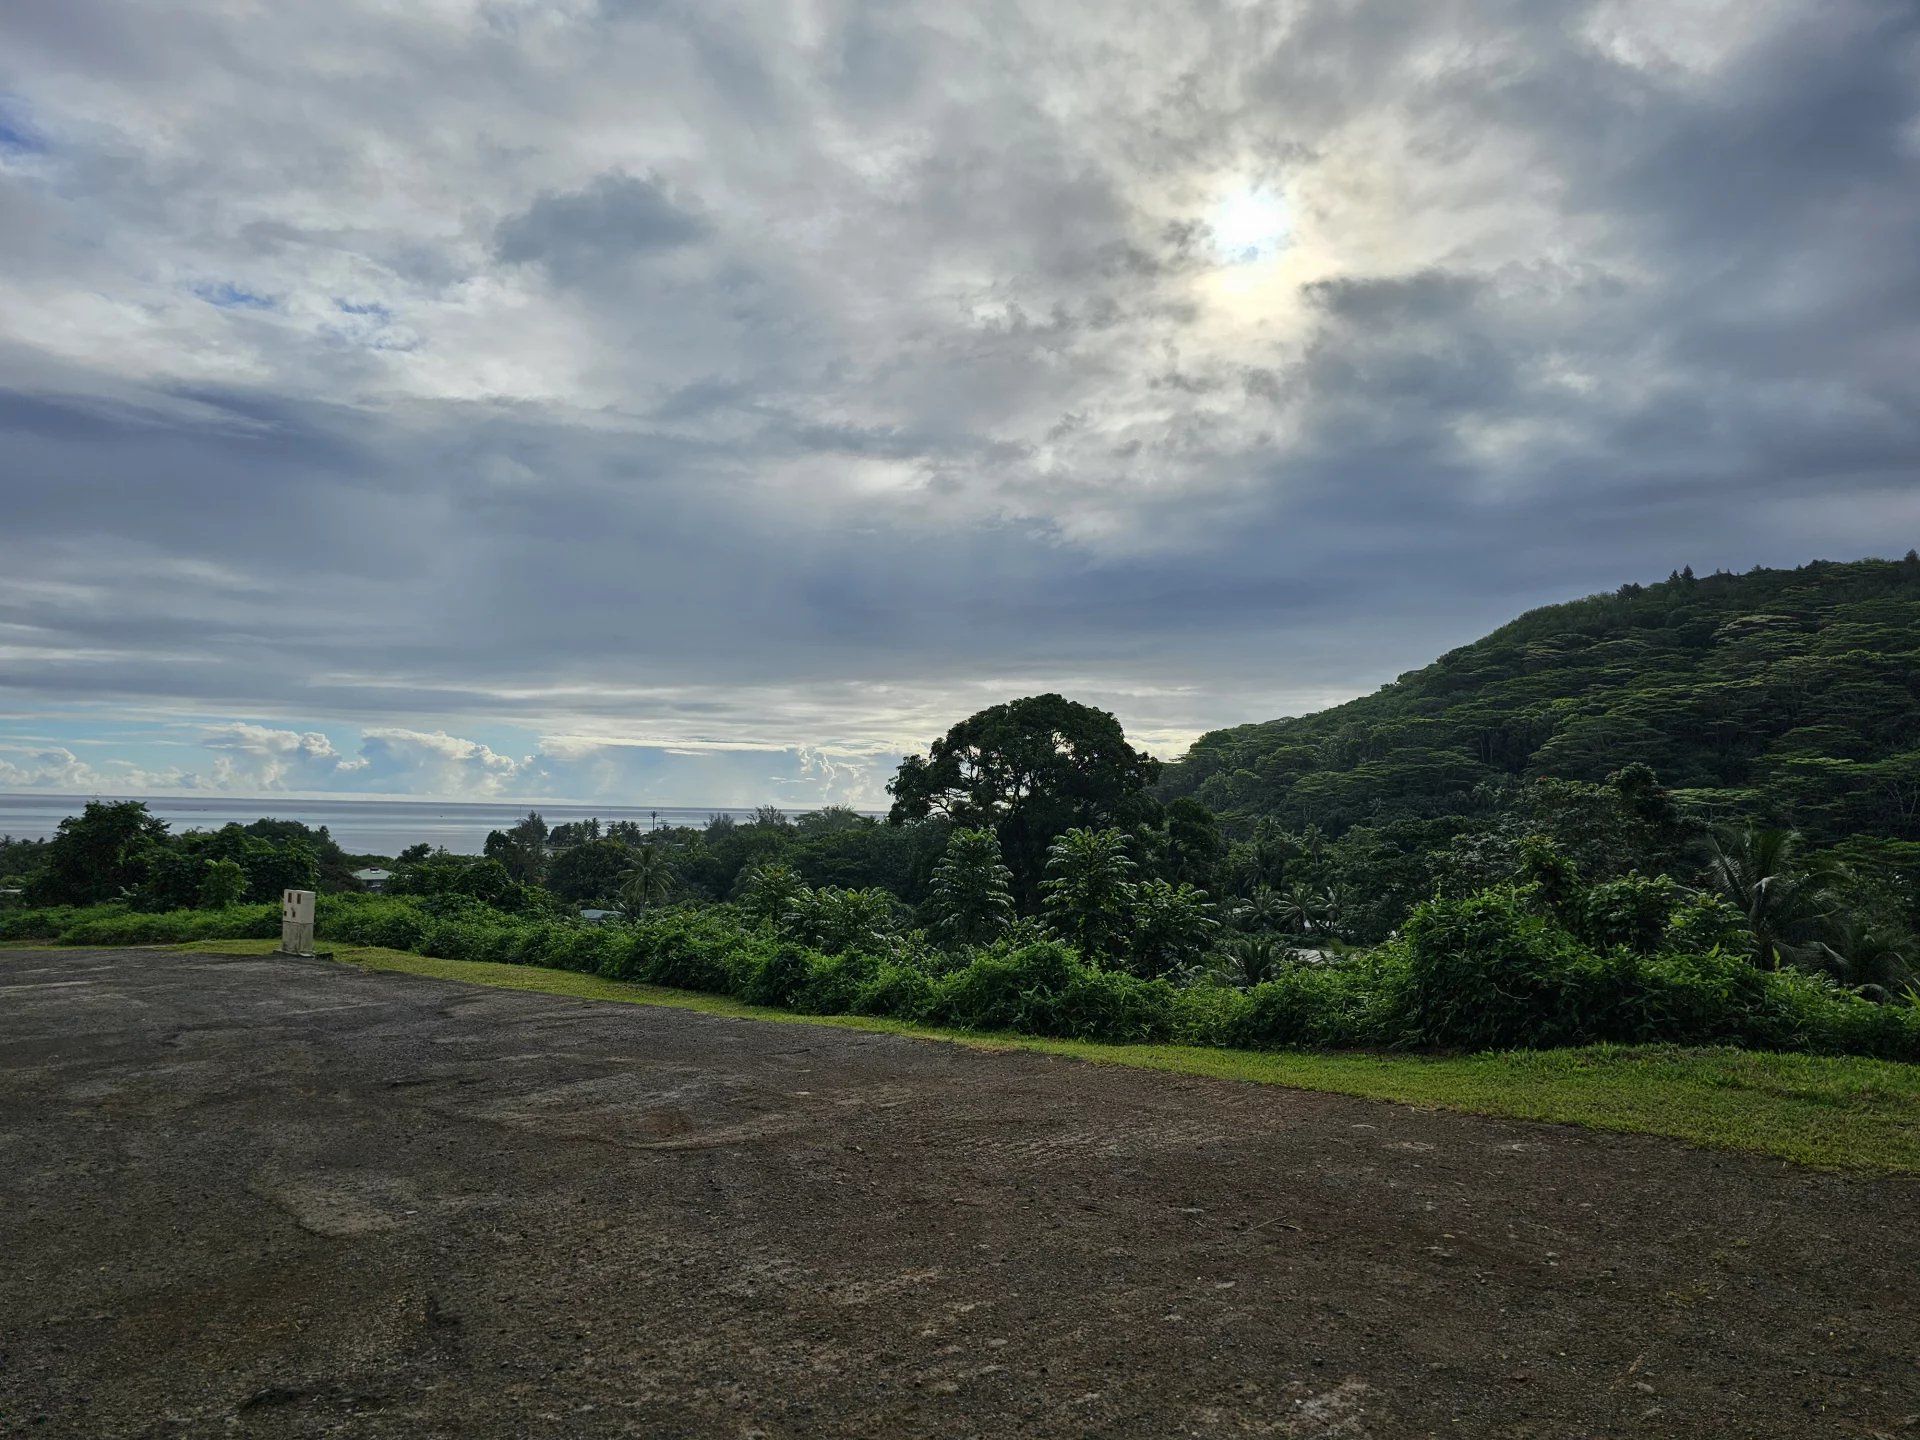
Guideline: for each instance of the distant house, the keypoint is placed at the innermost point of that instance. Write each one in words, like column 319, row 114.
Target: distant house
column 600, row 917
column 372, row 878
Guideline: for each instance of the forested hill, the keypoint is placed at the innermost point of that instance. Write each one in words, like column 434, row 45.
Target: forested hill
column 1791, row 696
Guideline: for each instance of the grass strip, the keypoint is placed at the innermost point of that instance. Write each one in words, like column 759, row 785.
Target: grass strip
column 1834, row 1113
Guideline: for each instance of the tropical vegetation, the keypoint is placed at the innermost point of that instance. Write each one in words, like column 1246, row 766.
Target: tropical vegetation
column 1481, row 855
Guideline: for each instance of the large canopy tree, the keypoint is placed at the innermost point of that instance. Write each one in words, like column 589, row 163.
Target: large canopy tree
column 590, row 871
column 522, row 849
column 100, row 854
column 1030, row 770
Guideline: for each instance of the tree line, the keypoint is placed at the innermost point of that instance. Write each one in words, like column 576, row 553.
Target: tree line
column 1037, row 820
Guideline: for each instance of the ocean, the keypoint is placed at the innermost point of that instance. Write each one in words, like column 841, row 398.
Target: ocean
column 375, row 827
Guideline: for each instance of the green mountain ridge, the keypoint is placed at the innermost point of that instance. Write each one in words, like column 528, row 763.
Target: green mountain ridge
column 1790, row 697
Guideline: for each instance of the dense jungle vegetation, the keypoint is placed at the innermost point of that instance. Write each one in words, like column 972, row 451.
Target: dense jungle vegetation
column 1682, row 812
column 1783, row 697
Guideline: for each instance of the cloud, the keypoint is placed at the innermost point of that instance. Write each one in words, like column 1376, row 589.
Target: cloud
column 248, row 759
column 615, row 219
column 258, row 757
column 58, row 768
column 719, row 386
column 435, row 763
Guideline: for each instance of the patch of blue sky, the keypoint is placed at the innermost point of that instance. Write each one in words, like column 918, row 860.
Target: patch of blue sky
column 76, row 725
column 369, row 325
column 229, row 296
column 17, row 133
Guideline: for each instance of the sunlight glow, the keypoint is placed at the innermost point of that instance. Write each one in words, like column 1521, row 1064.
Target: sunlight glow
column 1248, row 225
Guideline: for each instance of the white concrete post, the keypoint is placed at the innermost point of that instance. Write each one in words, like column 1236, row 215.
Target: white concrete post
column 296, row 922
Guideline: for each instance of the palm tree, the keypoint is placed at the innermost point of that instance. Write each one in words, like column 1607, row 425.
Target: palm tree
column 1310, row 911
column 1249, row 960
column 649, row 880
column 1757, row 871
column 1865, row 952
column 1261, row 911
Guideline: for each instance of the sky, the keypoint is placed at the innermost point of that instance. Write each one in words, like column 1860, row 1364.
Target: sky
column 654, row 401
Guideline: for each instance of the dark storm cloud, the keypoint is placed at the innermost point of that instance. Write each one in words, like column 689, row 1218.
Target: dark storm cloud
column 725, row 377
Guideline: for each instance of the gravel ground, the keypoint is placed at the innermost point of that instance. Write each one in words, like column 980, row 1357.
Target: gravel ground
column 288, row 1198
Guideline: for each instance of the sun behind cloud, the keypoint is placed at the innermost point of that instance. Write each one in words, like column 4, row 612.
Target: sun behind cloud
column 1248, row 225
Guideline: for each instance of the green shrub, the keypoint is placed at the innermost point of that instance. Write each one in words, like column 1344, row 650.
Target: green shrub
column 116, row 924
column 1855, row 1026
column 1045, row 988
column 1016, row 990
column 582, row 948
column 707, row 950
column 1111, row 1005
column 496, row 943
column 781, row 975
column 1684, row 998
column 40, row 922
column 1488, row 971
column 904, row 992
column 374, row 920
column 836, row 921
column 1207, row 1013
column 1321, row 1005
column 1701, row 923
column 224, row 884
column 1795, row 1010
column 837, row 983
column 1633, row 911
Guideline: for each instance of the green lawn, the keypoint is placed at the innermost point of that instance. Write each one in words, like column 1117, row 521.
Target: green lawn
column 1833, row 1113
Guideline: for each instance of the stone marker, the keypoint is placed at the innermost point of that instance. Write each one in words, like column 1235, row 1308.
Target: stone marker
column 296, row 922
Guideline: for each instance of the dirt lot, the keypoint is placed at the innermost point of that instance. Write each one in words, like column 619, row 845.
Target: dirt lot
column 271, row 1197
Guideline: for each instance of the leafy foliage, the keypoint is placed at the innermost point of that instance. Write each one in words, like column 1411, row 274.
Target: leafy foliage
column 589, row 871
column 1495, row 969
column 1171, row 927
column 770, row 890
column 19, row 859
column 972, row 898
column 479, row 878
column 1756, row 871
column 101, row 854
column 649, row 881
column 1089, row 890
column 1794, row 694
column 838, row 920
column 521, row 849
column 223, row 886
column 1030, row 769
column 1248, row 960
